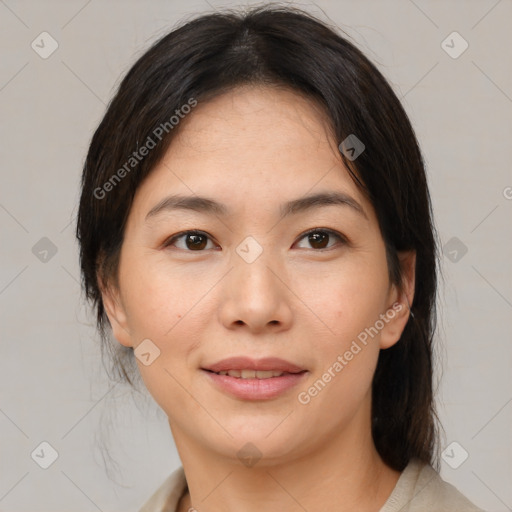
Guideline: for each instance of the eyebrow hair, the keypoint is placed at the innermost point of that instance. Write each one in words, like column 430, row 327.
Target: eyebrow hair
column 302, row 204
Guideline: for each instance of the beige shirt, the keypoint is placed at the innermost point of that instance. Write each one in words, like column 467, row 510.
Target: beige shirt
column 419, row 489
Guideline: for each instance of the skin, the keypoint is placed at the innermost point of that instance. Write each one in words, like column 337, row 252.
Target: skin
column 252, row 149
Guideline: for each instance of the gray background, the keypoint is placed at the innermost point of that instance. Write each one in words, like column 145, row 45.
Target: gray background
column 53, row 386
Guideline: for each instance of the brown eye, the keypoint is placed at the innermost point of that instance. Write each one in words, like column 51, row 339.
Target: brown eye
column 189, row 241
column 320, row 238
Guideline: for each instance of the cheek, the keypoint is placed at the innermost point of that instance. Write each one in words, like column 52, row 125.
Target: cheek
column 347, row 301
column 160, row 308
column 343, row 298
column 347, row 352
column 157, row 298
column 174, row 322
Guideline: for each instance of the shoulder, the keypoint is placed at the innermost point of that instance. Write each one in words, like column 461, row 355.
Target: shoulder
column 167, row 496
column 421, row 489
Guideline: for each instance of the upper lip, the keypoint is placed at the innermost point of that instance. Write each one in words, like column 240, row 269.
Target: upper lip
column 246, row 363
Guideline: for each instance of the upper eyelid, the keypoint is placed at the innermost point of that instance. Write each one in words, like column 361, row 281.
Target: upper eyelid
column 177, row 236
column 325, row 230
column 337, row 234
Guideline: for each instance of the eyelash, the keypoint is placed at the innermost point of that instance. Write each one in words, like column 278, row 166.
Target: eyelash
column 330, row 232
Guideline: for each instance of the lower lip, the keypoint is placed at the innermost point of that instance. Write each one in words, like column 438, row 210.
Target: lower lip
column 256, row 389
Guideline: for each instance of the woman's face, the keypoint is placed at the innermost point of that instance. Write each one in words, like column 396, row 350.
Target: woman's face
column 254, row 284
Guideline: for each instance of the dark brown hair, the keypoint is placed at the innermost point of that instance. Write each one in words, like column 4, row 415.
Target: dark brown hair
column 278, row 46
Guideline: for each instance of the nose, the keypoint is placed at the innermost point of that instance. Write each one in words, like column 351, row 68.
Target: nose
column 255, row 297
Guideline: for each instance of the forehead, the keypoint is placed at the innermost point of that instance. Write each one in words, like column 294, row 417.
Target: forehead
column 252, row 146
column 258, row 112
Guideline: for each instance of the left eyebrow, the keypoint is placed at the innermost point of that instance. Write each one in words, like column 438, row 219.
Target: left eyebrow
column 295, row 206
column 321, row 199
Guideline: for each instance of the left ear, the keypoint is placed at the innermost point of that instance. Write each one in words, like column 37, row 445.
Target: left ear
column 400, row 300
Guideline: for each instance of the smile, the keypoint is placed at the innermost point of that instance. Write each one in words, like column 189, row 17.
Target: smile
column 254, row 384
column 251, row 374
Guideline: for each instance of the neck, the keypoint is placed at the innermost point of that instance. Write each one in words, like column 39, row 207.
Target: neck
column 343, row 472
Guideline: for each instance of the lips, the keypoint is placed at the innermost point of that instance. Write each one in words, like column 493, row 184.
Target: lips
column 254, row 379
column 245, row 367
column 251, row 374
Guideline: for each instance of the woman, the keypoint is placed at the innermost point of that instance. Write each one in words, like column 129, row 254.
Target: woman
column 255, row 228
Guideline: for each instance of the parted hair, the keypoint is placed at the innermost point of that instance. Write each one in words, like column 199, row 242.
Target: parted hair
column 280, row 46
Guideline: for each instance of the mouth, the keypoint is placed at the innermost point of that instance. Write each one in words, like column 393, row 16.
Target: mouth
column 245, row 365
column 249, row 379
column 254, row 374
